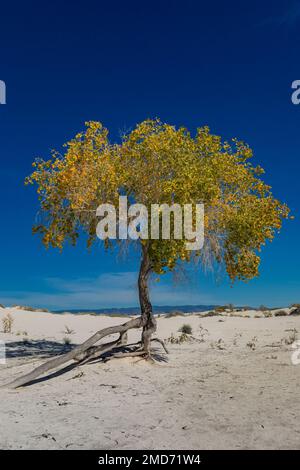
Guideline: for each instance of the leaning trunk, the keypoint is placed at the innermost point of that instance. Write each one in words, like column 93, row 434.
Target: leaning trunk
column 148, row 320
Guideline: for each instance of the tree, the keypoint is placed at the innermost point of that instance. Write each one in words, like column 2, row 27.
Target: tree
column 156, row 163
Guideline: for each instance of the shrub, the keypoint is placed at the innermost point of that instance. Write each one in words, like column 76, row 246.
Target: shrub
column 268, row 314
column 7, row 323
column 211, row 313
column 221, row 308
column 66, row 340
column 280, row 313
column 296, row 310
column 179, row 340
column 186, row 329
column 174, row 314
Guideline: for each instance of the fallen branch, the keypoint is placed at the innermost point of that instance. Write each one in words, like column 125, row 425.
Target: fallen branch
column 78, row 351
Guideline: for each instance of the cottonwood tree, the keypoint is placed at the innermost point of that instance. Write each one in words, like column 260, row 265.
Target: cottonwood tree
column 156, row 163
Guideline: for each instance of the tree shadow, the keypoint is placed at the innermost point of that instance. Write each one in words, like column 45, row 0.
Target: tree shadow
column 36, row 348
column 57, row 373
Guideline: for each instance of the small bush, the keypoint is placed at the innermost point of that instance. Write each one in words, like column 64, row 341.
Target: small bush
column 66, row 340
column 221, row 308
column 268, row 314
column 186, row 329
column 183, row 338
column 7, row 323
column 280, row 313
column 174, row 314
column 211, row 313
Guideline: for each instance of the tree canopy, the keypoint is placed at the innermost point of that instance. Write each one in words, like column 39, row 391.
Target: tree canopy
column 157, row 163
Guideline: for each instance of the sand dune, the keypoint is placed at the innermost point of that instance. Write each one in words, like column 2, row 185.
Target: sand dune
column 231, row 385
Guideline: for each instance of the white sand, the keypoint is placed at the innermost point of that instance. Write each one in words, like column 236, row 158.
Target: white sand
column 216, row 394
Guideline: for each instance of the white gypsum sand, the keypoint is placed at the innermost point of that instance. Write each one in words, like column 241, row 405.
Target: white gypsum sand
column 232, row 385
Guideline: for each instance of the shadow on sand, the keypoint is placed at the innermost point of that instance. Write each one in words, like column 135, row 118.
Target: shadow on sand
column 43, row 349
column 36, row 348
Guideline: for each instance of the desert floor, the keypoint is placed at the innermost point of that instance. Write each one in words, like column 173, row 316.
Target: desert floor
column 232, row 386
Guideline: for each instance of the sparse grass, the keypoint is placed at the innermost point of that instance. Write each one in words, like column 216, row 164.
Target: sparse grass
column 183, row 338
column 186, row 329
column 174, row 314
column 252, row 343
column 211, row 313
column 68, row 331
column 31, row 309
column 221, row 308
column 118, row 315
column 7, row 323
column 291, row 338
column 203, row 333
column 218, row 344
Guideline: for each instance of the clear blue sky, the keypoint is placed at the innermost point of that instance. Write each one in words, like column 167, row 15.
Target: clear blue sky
column 226, row 64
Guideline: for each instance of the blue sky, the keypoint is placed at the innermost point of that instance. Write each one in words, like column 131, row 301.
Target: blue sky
column 226, row 64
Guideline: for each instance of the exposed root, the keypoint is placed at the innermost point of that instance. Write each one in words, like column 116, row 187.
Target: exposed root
column 160, row 341
column 130, row 354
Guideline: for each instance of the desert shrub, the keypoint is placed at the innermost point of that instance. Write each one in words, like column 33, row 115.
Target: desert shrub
column 31, row 309
column 280, row 313
column 211, row 313
column 296, row 310
column 7, row 323
column 183, row 338
column 221, row 308
column 186, row 329
column 174, row 314
column 66, row 340
column 268, row 314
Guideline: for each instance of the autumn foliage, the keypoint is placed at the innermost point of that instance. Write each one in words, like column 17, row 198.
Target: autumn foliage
column 157, row 163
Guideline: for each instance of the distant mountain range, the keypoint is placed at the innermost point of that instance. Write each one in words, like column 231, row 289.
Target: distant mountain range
column 136, row 310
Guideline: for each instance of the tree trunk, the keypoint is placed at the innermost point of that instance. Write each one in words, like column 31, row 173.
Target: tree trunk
column 148, row 320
